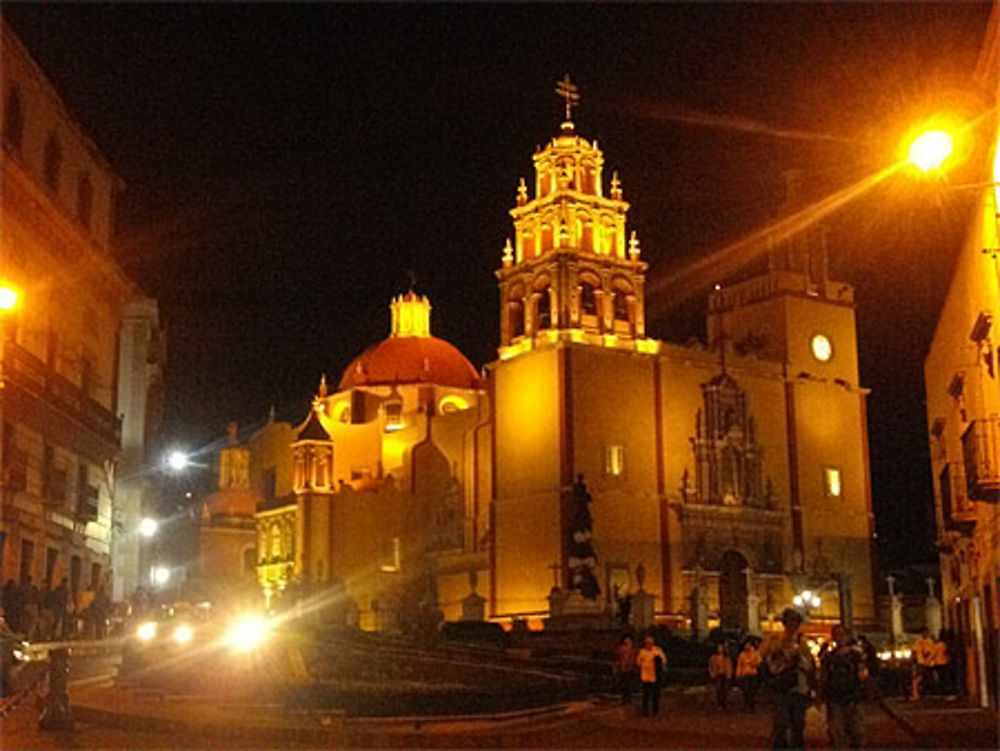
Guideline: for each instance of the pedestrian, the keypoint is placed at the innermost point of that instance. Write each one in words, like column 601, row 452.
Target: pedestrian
column 747, row 665
column 12, row 609
column 720, row 671
column 954, row 673
column 99, row 610
column 46, row 615
column 792, row 677
column 81, row 611
column 60, row 600
column 652, row 664
column 29, row 601
column 923, row 662
column 939, row 665
column 842, row 678
column 625, row 668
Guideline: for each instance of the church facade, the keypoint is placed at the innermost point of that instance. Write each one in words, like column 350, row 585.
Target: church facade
column 732, row 475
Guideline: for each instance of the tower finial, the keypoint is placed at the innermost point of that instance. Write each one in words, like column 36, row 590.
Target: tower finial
column 522, row 193
column 508, row 254
column 616, row 186
column 568, row 91
column 633, row 247
column 322, row 386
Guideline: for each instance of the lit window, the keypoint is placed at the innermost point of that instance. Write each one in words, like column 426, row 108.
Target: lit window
column 453, row 403
column 614, row 460
column 393, row 415
column 390, row 561
column 831, row 476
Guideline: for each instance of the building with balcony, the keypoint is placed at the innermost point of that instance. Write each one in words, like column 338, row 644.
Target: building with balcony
column 60, row 405
column 962, row 378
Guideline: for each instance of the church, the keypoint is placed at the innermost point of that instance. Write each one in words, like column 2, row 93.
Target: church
column 589, row 461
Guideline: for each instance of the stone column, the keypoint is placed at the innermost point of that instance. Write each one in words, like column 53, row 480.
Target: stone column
column 699, row 610
column 932, row 611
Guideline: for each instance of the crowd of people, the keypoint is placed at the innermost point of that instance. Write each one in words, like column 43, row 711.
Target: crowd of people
column 839, row 678
column 55, row 612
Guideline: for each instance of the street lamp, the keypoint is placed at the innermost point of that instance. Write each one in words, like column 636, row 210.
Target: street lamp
column 930, row 150
column 160, row 575
column 807, row 600
column 8, row 298
column 178, row 461
column 148, row 527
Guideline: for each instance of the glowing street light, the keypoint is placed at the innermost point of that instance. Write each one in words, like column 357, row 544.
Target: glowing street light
column 148, row 527
column 8, row 298
column 930, row 150
column 161, row 575
column 808, row 600
column 178, row 461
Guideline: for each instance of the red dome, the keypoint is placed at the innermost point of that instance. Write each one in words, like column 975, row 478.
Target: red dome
column 410, row 359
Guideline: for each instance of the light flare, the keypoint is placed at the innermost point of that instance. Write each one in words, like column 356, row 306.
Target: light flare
column 931, row 150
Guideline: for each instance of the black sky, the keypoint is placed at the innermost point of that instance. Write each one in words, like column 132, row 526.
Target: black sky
column 288, row 167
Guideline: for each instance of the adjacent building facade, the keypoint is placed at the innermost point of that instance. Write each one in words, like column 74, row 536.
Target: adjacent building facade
column 963, row 412
column 720, row 479
column 60, row 400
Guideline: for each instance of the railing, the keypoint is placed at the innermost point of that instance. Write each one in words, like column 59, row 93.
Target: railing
column 981, row 455
column 32, row 375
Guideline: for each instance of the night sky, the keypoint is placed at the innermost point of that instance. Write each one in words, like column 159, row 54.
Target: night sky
column 289, row 168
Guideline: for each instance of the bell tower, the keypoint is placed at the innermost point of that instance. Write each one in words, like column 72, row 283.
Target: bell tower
column 570, row 274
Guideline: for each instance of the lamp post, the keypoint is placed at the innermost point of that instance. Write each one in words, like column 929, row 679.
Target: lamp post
column 9, row 298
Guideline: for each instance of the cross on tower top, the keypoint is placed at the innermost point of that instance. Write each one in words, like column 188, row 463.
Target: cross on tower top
column 568, row 91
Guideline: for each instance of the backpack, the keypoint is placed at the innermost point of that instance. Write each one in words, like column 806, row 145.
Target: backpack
column 842, row 683
column 661, row 668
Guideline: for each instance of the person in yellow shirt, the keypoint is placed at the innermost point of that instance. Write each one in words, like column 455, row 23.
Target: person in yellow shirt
column 747, row 666
column 923, row 658
column 720, row 671
column 650, row 675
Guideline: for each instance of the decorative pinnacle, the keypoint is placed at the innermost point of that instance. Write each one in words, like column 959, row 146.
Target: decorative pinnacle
column 322, row 386
column 568, row 91
column 508, row 253
column 616, row 186
column 522, row 193
column 633, row 247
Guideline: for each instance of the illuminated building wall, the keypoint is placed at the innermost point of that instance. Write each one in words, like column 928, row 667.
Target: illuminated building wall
column 962, row 379
column 60, row 406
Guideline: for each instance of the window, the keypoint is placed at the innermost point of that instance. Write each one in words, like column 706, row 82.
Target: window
column 393, row 415
column 516, row 311
column 544, row 309
column 84, row 200
column 13, row 118
column 95, row 575
column 588, row 300
column 832, row 482
column 614, row 460
column 390, row 557
column 52, row 163
column 621, row 305
column 270, row 482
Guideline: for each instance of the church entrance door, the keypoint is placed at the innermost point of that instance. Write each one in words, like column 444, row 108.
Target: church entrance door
column 733, row 590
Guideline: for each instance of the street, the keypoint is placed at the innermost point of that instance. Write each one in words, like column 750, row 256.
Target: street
column 688, row 719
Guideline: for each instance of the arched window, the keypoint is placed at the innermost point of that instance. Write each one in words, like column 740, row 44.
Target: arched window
column 84, row 200
column 588, row 299
column 544, row 309
column 52, row 163
column 621, row 305
column 13, row 118
column 515, row 312
column 275, row 541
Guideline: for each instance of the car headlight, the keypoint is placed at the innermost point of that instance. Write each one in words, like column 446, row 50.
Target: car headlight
column 247, row 634
column 183, row 633
column 146, row 630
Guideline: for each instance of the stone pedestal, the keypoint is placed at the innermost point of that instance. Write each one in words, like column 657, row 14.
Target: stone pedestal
column 753, row 613
column 570, row 611
column 474, row 607
column 932, row 616
column 643, row 610
column 896, row 617
column 699, row 613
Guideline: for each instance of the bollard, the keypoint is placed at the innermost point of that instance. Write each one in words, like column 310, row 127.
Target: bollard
column 56, row 714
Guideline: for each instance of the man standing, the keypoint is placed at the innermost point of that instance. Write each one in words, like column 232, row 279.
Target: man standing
column 842, row 677
column 625, row 668
column 923, row 657
column 649, row 675
column 746, row 673
column 792, row 676
column 720, row 670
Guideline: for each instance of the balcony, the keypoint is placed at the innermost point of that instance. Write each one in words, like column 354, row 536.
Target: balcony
column 30, row 375
column 981, row 455
column 958, row 512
